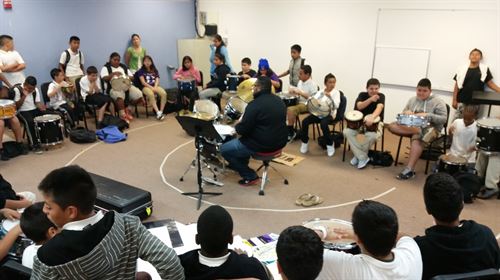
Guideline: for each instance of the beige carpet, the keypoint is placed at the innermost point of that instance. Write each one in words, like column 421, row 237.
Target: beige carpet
column 139, row 161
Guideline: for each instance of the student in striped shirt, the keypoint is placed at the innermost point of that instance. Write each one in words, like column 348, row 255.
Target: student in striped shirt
column 94, row 245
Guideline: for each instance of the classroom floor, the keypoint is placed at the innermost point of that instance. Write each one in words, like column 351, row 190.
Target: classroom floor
column 157, row 153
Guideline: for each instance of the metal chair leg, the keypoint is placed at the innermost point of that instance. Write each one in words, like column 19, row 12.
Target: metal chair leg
column 263, row 181
column 397, row 153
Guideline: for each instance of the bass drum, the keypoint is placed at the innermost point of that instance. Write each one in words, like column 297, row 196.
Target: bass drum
column 488, row 134
column 49, row 129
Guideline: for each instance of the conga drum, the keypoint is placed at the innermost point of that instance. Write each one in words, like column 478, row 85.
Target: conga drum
column 354, row 119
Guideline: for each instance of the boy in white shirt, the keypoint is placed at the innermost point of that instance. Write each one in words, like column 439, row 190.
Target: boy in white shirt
column 57, row 97
column 72, row 60
column 37, row 227
column 90, row 89
column 11, row 62
column 305, row 89
column 464, row 133
column 29, row 106
column 385, row 254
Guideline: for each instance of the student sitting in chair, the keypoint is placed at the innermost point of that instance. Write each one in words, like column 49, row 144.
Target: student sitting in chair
column 246, row 70
column 187, row 74
column 430, row 107
column 265, row 70
column 329, row 94
column 305, row 89
column 114, row 69
column 37, row 227
column 15, row 125
column 58, row 100
column 217, row 85
column 92, row 94
column 453, row 245
column 94, row 245
column 214, row 260
column 149, row 81
column 29, row 105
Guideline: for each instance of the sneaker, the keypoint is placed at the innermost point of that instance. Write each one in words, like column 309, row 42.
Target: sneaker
column 406, row 174
column 330, row 150
column 3, row 155
column 129, row 117
column 247, row 182
column 304, row 147
column 37, row 150
column 354, row 161
column 124, row 117
column 160, row 116
column 291, row 136
column 487, row 193
column 362, row 163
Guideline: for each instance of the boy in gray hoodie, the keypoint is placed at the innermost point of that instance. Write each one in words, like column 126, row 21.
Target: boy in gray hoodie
column 434, row 110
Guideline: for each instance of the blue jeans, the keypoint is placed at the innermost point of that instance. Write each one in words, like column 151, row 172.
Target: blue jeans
column 238, row 156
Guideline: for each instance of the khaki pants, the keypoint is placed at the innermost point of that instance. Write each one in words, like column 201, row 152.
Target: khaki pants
column 360, row 149
column 488, row 167
column 298, row 109
column 150, row 95
column 134, row 94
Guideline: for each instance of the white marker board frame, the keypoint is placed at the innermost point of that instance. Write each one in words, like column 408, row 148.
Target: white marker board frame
column 399, row 65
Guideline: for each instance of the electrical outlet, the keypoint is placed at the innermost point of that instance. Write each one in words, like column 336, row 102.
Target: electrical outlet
column 203, row 18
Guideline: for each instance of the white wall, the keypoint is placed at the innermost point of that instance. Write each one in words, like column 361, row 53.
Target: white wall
column 336, row 36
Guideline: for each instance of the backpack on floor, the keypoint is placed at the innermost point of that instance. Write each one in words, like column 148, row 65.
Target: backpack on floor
column 338, row 139
column 111, row 134
column 110, row 120
column 470, row 183
column 381, row 158
column 82, row 135
column 11, row 149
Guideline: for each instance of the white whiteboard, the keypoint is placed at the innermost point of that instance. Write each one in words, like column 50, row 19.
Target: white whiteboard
column 449, row 34
column 400, row 65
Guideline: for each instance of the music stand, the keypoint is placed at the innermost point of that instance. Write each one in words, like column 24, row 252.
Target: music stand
column 201, row 129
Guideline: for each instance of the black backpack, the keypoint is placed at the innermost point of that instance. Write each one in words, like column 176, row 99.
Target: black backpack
column 338, row 139
column 381, row 158
column 470, row 183
column 68, row 57
column 114, row 120
column 82, row 135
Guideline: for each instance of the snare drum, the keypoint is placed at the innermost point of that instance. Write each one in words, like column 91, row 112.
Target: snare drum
column 186, row 86
column 343, row 245
column 452, row 164
column 412, row 120
column 7, row 109
column 288, row 99
column 374, row 126
column 120, row 83
column 354, row 119
column 16, row 251
column 488, row 134
column 206, row 109
column 49, row 129
column 319, row 107
column 232, row 82
column 235, row 107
